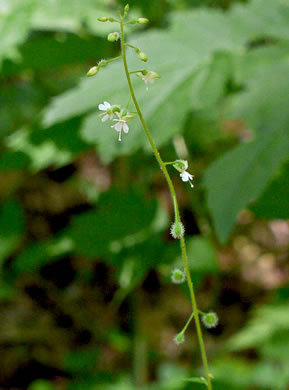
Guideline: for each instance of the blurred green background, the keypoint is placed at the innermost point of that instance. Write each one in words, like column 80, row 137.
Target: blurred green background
column 86, row 300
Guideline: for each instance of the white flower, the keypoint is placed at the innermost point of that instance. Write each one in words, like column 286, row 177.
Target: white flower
column 108, row 113
column 121, row 124
column 148, row 77
column 186, row 176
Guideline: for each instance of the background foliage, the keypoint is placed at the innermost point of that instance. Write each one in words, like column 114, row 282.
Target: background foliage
column 85, row 255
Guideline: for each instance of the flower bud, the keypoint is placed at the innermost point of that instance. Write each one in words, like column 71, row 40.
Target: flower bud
column 103, row 19
column 92, row 71
column 210, row 320
column 177, row 230
column 142, row 20
column 178, row 276
column 111, row 20
column 134, row 21
column 142, row 56
column 179, row 338
column 112, row 37
column 126, row 8
column 116, row 109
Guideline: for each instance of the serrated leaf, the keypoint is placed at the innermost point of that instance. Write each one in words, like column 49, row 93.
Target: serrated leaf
column 241, row 175
column 194, row 37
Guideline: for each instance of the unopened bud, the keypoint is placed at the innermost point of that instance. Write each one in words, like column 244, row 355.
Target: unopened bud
column 142, row 20
column 210, row 320
column 134, row 21
column 103, row 19
column 112, row 37
column 111, row 20
column 126, row 8
column 142, row 56
column 92, row 71
column 177, row 230
column 178, row 276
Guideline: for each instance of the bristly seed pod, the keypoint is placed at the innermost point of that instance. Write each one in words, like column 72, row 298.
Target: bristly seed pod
column 177, row 230
column 210, row 320
column 179, row 338
column 178, row 276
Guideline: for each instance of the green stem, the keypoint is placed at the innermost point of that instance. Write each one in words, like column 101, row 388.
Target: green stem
column 176, row 207
column 187, row 324
column 113, row 59
column 132, row 47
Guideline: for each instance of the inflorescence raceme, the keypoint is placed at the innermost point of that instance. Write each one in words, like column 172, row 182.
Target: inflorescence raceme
column 119, row 115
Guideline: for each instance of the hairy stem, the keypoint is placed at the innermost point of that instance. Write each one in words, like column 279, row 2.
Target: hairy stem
column 176, row 207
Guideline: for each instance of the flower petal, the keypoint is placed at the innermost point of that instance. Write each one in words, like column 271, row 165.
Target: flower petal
column 107, row 105
column 118, row 126
column 105, row 118
column 184, row 176
column 101, row 107
column 125, row 127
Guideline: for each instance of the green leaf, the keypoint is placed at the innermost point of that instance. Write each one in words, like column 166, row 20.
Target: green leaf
column 266, row 321
column 191, row 42
column 41, row 253
column 70, row 15
column 120, row 215
column 202, row 255
column 14, row 27
column 197, row 380
column 11, row 227
column 241, row 176
column 274, row 203
column 41, row 384
column 13, row 161
column 81, row 362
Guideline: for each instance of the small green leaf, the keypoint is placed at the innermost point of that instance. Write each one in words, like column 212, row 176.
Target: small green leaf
column 197, row 380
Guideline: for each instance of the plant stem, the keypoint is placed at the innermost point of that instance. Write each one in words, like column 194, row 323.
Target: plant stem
column 176, row 207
